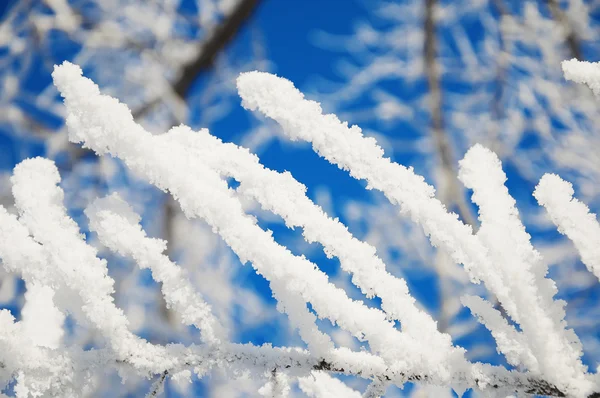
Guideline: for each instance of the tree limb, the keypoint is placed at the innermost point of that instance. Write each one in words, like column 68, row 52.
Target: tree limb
column 453, row 193
column 219, row 38
column 208, row 51
column 522, row 383
column 158, row 385
column 572, row 40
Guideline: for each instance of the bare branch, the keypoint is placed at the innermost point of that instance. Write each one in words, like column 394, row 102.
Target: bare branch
column 158, row 385
column 219, row 38
column 572, row 40
column 453, row 194
column 212, row 46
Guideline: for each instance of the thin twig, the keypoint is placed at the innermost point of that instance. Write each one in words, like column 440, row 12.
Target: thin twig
column 219, row 38
column 572, row 40
column 208, row 51
column 158, row 385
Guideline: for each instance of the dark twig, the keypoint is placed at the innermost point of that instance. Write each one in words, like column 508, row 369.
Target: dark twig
column 157, row 386
column 525, row 384
column 207, row 53
column 572, row 40
column 506, row 382
column 454, row 192
column 219, row 38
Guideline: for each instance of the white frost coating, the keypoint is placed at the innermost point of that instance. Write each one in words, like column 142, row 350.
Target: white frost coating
column 34, row 261
column 556, row 348
column 21, row 253
column 278, row 386
column 321, row 385
column 41, row 371
column 14, row 241
column 39, row 201
column 346, row 147
column 117, row 226
column 376, row 389
column 572, row 218
column 17, row 351
column 583, row 72
column 510, row 342
column 42, row 321
column 105, row 125
column 283, row 195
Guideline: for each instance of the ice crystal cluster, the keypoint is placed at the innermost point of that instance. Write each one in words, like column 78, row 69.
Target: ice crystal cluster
column 64, row 275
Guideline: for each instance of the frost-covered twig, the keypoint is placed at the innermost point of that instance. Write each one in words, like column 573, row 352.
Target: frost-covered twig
column 283, row 195
column 346, row 147
column 202, row 193
column 82, row 273
column 583, row 72
column 277, row 386
column 572, row 217
column 39, row 370
column 321, row 385
column 556, row 349
column 88, row 278
column 118, row 228
column 376, row 389
column 191, row 165
column 158, row 385
column 42, row 212
column 509, row 341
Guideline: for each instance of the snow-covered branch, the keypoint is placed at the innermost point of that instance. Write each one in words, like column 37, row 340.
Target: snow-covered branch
column 518, row 282
column 65, row 276
column 572, row 217
column 583, row 72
